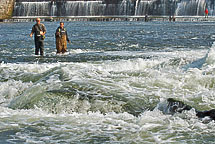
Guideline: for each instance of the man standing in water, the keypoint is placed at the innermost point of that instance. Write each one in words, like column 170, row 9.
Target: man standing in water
column 39, row 31
column 61, row 39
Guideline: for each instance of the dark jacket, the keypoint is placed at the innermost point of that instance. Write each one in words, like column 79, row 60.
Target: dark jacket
column 61, row 31
column 36, row 30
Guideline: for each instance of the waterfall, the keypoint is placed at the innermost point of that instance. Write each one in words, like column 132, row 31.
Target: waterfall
column 126, row 7
column 170, row 7
column 144, row 7
column 74, row 8
column 112, row 7
column 136, row 6
column 32, row 9
column 192, row 7
column 81, row 8
column 211, row 7
column 53, row 9
column 201, row 7
column 153, row 7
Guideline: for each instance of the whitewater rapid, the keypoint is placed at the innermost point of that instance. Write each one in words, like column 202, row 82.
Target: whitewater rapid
column 106, row 90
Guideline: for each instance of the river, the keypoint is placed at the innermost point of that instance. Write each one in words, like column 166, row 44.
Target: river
column 107, row 87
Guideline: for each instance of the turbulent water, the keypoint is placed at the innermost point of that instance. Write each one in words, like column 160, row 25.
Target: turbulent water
column 107, row 87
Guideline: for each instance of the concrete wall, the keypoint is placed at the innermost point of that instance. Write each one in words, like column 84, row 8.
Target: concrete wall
column 6, row 8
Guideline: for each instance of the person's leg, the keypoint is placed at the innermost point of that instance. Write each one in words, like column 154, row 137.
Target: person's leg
column 64, row 48
column 41, row 48
column 36, row 47
column 64, row 44
column 58, row 45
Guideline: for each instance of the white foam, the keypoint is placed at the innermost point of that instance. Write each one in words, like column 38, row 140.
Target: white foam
column 25, row 67
column 10, row 89
column 210, row 56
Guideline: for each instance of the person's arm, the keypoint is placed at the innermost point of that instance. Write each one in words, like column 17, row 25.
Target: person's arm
column 32, row 32
column 67, row 38
column 57, row 33
column 44, row 30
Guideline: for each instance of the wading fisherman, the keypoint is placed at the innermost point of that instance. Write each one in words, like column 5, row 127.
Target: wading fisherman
column 39, row 31
column 61, row 39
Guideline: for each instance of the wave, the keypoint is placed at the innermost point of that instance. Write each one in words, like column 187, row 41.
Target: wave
column 132, row 86
column 206, row 61
column 84, row 87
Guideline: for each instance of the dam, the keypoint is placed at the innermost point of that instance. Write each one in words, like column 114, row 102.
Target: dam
column 58, row 8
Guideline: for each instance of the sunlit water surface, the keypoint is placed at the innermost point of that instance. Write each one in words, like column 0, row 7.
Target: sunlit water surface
column 106, row 88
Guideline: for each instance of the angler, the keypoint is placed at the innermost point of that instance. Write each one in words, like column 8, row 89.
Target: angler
column 61, row 39
column 39, row 31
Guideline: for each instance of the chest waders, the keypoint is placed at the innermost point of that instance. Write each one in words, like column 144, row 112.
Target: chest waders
column 39, row 43
column 61, row 41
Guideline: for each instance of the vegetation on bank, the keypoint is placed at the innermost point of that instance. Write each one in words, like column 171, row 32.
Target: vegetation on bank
column 9, row 12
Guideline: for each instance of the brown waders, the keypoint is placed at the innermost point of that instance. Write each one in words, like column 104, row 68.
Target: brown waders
column 61, row 44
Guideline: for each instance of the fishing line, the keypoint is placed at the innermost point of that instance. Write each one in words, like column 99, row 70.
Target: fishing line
column 67, row 31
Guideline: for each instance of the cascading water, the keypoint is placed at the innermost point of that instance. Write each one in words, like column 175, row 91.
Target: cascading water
column 53, row 9
column 211, row 7
column 171, row 7
column 192, row 7
column 108, row 7
column 32, row 9
column 74, row 8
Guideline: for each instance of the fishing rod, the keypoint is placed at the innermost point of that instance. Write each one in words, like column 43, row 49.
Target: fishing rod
column 65, row 27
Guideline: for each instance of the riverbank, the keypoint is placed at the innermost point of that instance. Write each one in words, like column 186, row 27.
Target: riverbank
column 6, row 9
column 109, row 18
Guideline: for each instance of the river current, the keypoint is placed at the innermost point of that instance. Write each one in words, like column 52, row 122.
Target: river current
column 107, row 87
